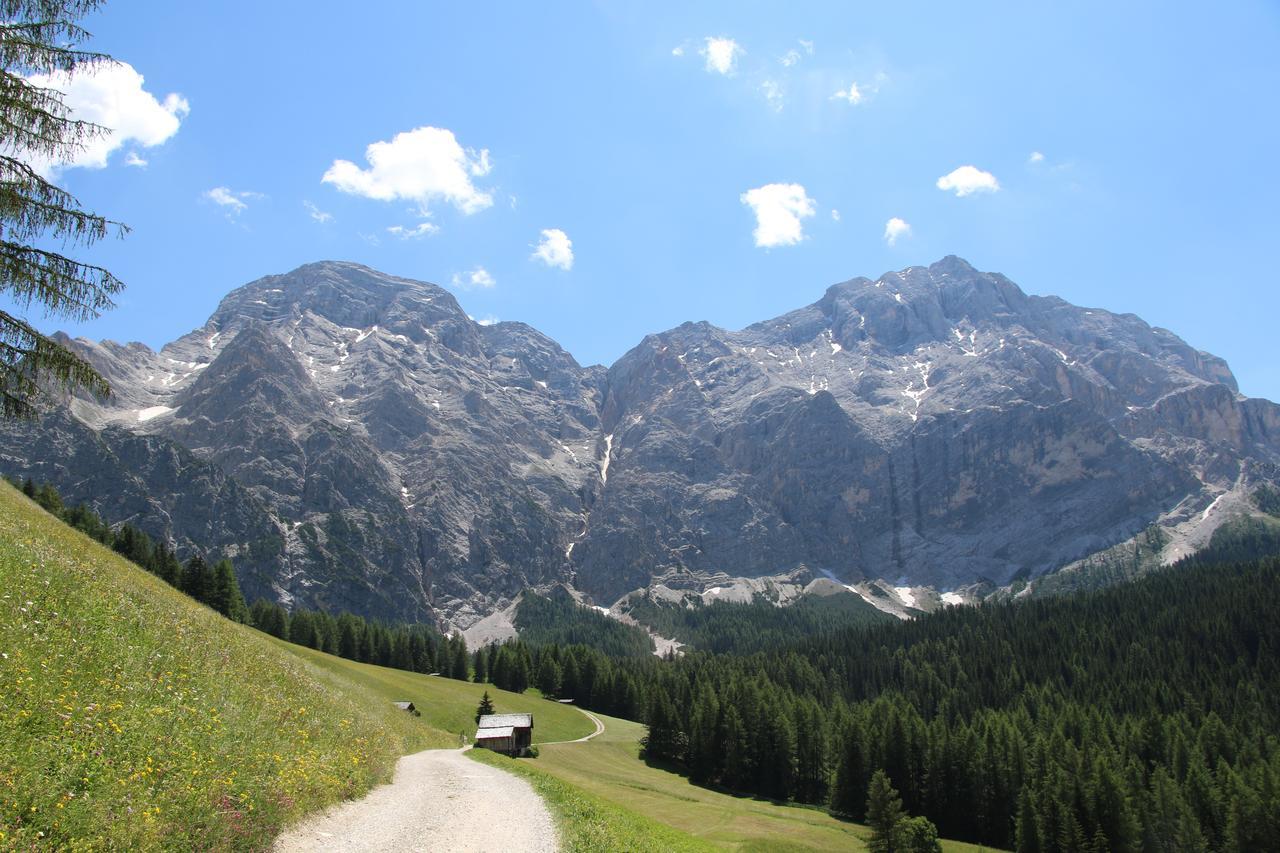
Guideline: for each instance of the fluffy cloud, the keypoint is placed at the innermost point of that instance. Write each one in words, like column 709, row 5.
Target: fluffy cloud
column 1036, row 157
column 967, row 180
column 835, row 215
column 486, row 320
column 415, row 232
column 779, row 209
column 721, row 54
column 555, row 249
column 853, row 94
column 423, row 165
column 111, row 95
column 317, row 214
column 895, row 228
column 478, row 277
column 233, row 202
column 133, row 159
column 678, row 50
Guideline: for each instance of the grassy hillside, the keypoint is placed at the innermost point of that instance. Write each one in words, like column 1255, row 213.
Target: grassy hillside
column 132, row 717
column 448, row 704
column 608, row 767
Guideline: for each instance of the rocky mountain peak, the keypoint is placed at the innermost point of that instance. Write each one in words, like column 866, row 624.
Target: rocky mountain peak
column 935, row 426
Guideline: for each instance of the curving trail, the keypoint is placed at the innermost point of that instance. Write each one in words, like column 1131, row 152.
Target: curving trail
column 438, row 800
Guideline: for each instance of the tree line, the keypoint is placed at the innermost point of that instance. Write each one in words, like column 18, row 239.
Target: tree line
column 214, row 585
column 416, row 648
column 1141, row 717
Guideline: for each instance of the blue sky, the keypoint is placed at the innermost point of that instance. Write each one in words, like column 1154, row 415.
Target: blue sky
column 1123, row 156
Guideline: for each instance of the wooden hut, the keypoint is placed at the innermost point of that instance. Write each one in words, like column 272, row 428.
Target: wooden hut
column 508, row 733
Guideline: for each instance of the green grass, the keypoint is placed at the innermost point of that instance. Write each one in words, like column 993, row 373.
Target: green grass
column 589, row 823
column 608, row 768
column 448, row 704
column 133, row 718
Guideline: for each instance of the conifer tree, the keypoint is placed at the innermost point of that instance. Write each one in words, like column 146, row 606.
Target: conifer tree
column 39, row 37
column 884, row 813
column 549, row 676
column 224, row 594
column 485, row 707
column 197, row 579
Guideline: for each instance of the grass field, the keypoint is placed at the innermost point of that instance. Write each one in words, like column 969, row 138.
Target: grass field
column 133, row 718
column 448, row 704
column 608, row 767
column 592, row 824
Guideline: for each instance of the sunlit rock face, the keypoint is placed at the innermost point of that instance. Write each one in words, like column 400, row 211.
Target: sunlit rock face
column 355, row 441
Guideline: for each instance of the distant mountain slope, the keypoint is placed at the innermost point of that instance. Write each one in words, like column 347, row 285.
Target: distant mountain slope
column 934, row 428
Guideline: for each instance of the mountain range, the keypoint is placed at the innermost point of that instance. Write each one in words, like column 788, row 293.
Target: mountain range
column 354, row 441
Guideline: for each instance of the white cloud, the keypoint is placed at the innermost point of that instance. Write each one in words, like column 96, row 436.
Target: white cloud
column 721, row 54
column 235, row 203
column 790, row 58
column 415, row 232
column 1036, row 157
column 111, row 95
column 779, row 209
column 835, row 215
column 132, row 159
column 859, row 92
column 316, row 213
column 486, row 320
column 967, row 180
column 895, row 228
column 423, row 165
column 478, row 277
column 807, row 45
column 853, row 94
column 555, row 249
column 773, row 93
column 678, row 50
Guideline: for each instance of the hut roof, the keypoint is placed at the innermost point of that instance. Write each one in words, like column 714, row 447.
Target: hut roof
column 519, row 721
column 491, row 732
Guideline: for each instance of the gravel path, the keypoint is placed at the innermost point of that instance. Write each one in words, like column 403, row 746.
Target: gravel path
column 439, row 800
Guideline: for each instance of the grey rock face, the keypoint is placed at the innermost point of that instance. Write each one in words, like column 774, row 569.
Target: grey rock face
column 355, row 441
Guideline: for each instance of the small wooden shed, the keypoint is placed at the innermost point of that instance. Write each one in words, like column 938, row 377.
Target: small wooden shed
column 508, row 733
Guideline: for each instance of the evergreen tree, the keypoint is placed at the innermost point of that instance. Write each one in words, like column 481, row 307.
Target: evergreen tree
column 884, row 813
column 480, row 663
column 459, row 668
column 548, row 681
column 485, row 707
column 197, row 579
column 224, row 592
column 38, row 56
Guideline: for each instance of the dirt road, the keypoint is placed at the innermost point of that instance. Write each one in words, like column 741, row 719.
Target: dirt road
column 439, row 800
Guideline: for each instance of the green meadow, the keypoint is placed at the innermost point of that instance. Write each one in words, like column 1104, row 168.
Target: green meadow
column 132, row 717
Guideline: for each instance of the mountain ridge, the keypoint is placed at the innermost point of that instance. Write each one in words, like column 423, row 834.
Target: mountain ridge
column 936, row 427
